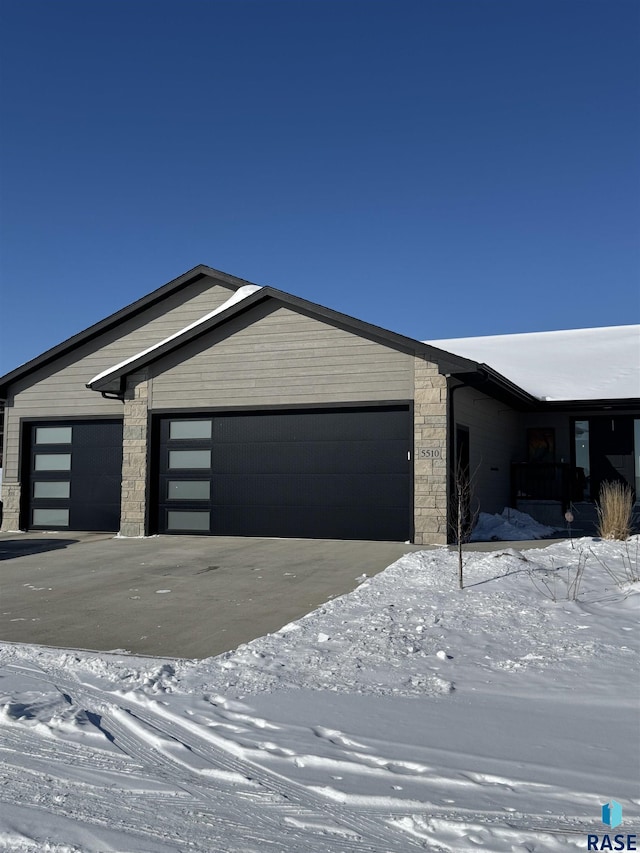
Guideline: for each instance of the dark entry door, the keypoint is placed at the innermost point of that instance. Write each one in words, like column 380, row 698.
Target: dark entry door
column 611, row 452
column 339, row 473
column 75, row 475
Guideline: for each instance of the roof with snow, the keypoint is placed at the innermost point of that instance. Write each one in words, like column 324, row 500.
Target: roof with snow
column 247, row 297
column 575, row 364
column 247, row 294
column 238, row 296
column 114, row 320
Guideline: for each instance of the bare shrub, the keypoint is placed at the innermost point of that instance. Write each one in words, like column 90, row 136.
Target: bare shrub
column 615, row 509
column 629, row 570
column 465, row 511
column 561, row 582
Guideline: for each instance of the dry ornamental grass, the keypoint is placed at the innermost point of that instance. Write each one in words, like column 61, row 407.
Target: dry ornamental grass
column 615, row 509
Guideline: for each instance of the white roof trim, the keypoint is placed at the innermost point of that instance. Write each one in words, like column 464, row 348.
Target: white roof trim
column 238, row 296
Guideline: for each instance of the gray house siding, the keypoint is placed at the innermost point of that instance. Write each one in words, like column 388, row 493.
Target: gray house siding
column 272, row 351
column 495, row 441
column 58, row 389
column 273, row 355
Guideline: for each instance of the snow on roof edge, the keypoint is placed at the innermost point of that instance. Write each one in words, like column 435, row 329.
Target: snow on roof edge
column 562, row 365
column 240, row 294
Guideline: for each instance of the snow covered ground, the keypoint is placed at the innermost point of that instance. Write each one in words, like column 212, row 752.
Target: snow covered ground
column 510, row 525
column 407, row 715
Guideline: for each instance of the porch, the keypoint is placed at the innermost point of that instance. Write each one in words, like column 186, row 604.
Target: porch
column 546, row 490
column 547, row 481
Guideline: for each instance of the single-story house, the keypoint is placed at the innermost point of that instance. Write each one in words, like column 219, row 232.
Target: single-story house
column 215, row 406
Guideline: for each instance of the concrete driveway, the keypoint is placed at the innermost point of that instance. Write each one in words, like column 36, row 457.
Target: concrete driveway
column 173, row 596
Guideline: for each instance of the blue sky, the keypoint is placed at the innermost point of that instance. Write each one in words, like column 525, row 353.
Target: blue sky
column 442, row 168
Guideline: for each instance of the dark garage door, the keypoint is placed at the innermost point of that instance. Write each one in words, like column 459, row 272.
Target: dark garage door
column 340, row 473
column 75, row 475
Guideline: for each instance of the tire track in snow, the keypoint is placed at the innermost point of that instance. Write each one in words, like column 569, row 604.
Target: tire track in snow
column 358, row 829
column 142, row 725
column 90, row 806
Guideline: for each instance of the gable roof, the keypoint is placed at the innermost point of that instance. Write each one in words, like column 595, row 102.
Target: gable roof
column 562, row 366
column 248, row 297
column 137, row 307
column 253, row 294
column 459, row 358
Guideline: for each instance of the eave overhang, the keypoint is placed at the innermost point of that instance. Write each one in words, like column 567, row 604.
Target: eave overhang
column 113, row 320
column 446, row 362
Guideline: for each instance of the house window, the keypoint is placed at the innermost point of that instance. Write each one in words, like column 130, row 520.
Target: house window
column 541, row 444
column 581, row 443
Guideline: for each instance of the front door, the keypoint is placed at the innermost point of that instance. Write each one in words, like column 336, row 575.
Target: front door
column 611, row 452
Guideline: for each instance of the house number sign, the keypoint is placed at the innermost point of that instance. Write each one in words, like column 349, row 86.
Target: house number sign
column 428, row 453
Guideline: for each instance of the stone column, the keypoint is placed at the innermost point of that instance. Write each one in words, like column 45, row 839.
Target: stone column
column 430, row 454
column 11, row 507
column 133, row 502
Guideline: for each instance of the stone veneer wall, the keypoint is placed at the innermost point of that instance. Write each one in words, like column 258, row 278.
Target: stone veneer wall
column 134, row 459
column 430, row 454
column 11, row 507
column 430, row 459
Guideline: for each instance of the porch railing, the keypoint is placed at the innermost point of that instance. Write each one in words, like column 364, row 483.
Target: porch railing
column 546, row 481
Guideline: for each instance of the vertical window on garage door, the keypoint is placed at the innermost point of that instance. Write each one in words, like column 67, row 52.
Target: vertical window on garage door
column 185, row 475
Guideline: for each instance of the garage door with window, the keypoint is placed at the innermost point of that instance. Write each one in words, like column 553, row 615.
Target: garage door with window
column 312, row 473
column 75, row 475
